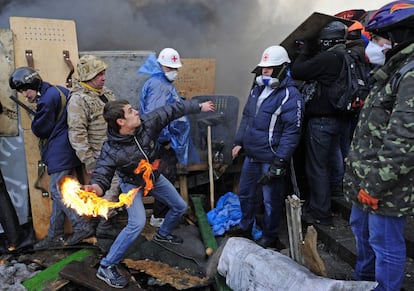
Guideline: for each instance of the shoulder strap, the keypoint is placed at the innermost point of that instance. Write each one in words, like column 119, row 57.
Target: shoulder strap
column 44, row 141
column 395, row 82
column 62, row 102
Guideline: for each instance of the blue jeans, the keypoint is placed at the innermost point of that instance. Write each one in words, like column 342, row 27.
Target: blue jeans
column 59, row 210
column 381, row 251
column 163, row 191
column 322, row 149
column 273, row 198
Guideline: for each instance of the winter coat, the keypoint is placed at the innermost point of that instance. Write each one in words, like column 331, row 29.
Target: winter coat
column 159, row 91
column 265, row 135
column 87, row 127
column 381, row 159
column 122, row 153
column 324, row 68
column 57, row 153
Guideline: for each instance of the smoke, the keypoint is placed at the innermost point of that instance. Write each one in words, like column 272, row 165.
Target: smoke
column 234, row 32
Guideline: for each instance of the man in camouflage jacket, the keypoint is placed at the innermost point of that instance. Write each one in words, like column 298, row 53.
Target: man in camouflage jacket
column 87, row 127
column 380, row 167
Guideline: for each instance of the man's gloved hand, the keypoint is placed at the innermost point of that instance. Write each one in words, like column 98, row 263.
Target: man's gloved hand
column 276, row 169
column 367, row 199
column 306, row 47
column 300, row 46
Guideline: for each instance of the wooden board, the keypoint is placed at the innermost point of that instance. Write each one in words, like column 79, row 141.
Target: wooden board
column 88, row 278
column 309, row 29
column 196, row 77
column 8, row 120
column 50, row 274
column 47, row 39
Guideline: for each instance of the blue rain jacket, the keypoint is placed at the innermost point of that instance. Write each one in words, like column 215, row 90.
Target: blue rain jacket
column 157, row 92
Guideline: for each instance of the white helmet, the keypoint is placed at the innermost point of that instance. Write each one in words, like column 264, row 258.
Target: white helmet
column 275, row 55
column 169, row 57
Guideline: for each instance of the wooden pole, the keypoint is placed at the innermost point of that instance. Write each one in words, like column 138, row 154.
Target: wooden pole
column 210, row 166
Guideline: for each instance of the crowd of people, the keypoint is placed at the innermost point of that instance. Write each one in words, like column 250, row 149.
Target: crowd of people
column 366, row 155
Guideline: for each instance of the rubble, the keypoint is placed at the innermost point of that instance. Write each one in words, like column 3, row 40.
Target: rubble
column 13, row 272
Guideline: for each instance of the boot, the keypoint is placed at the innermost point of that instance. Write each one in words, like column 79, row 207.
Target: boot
column 107, row 229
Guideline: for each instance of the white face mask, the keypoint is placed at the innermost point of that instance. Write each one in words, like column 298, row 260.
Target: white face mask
column 376, row 53
column 171, row 75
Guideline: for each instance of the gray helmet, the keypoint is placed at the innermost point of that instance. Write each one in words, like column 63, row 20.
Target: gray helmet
column 25, row 78
column 334, row 30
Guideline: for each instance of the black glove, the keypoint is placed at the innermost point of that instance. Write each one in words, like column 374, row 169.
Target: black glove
column 276, row 170
column 305, row 47
column 302, row 46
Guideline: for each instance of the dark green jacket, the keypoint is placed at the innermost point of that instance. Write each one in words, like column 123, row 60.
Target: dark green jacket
column 381, row 159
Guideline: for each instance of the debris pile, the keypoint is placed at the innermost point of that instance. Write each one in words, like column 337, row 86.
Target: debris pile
column 13, row 272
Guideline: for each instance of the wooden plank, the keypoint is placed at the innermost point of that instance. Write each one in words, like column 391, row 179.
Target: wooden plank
column 47, row 39
column 196, row 77
column 8, row 120
column 41, row 206
column 51, row 273
column 88, row 277
column 183, row 187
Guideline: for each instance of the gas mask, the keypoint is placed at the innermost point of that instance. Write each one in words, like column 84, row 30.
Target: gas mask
column 375, row 53
column 171, row 75
column 267, row 81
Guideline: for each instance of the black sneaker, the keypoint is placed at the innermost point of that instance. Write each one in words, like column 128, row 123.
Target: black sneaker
column 275, row 244
column 48, row 242
column 171, row 238
column 79, row 236
column 111, row 276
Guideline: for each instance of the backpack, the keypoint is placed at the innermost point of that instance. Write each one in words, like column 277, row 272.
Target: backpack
column 352, row 86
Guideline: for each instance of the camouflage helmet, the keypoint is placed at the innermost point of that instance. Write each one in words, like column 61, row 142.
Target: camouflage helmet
column 89, row 66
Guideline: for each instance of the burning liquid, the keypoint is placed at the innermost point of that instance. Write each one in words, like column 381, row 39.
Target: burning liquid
column 90, row 204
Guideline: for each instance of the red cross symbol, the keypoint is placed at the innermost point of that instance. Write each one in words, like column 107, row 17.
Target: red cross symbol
column 265, row 57
column 174, row 59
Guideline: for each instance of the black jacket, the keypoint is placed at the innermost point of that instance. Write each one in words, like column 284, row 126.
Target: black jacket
column 122, row 153
column 324, row 68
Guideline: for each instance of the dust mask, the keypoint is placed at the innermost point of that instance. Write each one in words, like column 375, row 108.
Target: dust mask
column 375, row 53
column 267, row 81
column 171, row 75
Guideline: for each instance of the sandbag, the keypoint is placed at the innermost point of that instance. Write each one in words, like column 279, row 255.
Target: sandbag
column 248, row 266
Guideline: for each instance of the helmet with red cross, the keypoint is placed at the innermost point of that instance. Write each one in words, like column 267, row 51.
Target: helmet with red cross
column 169, row 57
column 273, row 56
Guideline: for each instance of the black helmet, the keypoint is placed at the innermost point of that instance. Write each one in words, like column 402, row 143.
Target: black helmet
column 25, row 78
column 334, row 30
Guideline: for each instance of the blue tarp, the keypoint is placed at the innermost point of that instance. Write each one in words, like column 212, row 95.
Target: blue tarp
column 226, row 214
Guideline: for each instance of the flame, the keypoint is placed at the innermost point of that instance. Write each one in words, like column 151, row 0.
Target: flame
column 90, row 204
column 146, row 168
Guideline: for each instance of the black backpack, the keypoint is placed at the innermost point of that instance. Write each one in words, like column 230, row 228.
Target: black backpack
column 352, row 86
